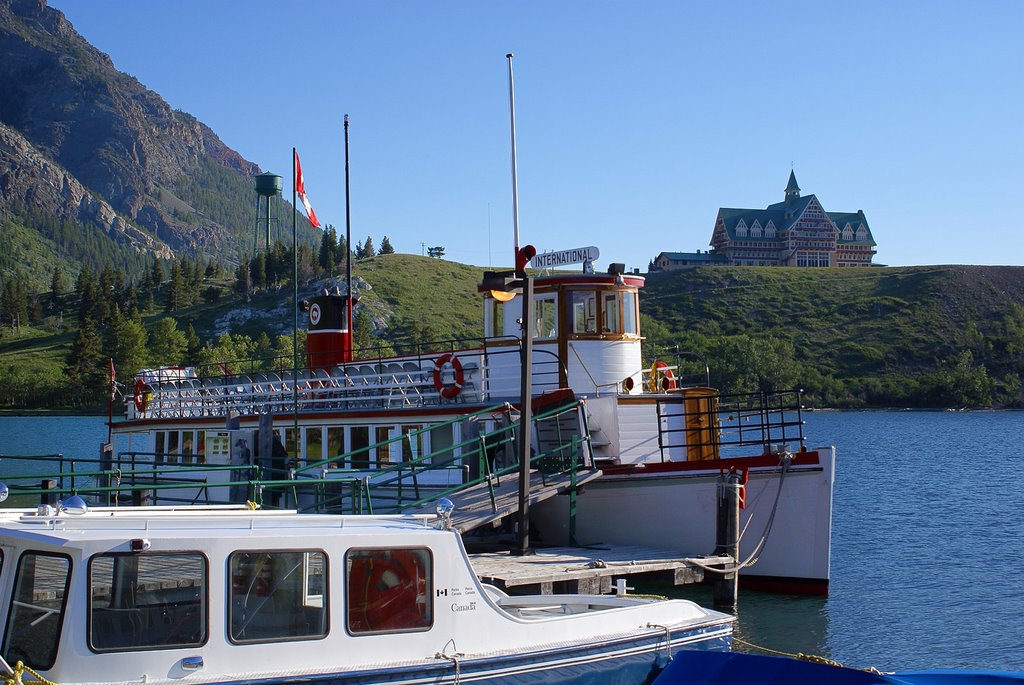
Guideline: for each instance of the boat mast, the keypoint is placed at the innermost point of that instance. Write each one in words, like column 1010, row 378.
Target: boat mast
column 348, row 252
column 512, row 128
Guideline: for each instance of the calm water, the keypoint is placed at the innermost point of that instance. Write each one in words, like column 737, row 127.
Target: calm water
column 927, row 556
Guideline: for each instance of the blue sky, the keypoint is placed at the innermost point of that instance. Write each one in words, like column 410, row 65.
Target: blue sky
column 636, row 121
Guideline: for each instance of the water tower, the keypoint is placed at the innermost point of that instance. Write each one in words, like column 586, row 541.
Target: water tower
column 267, row 186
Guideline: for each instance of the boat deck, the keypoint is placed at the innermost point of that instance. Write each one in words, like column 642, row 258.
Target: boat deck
column 586, row 570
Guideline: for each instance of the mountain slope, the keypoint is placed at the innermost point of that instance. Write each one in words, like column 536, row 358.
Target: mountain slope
column 81, row 141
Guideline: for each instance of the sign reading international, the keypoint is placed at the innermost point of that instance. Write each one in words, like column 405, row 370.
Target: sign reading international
column 578, row 255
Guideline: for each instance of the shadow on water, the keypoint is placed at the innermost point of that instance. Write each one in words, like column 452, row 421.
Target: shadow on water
column 783, row 623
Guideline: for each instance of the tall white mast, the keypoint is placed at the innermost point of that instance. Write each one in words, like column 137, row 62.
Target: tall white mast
column 515, row 182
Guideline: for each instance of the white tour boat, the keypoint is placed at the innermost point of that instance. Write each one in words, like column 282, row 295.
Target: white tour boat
column 230, row 595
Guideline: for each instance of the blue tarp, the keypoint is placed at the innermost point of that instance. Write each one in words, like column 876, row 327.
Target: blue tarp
column 730, row 668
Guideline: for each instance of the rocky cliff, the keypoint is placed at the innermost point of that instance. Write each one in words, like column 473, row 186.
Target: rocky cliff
column 81, row 140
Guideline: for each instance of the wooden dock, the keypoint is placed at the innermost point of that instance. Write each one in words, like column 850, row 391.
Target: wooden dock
column 589, row 570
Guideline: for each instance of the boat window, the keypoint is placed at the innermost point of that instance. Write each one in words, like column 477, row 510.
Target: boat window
column 201, row 447
column 314, row 444
column 388, row 590
column 584, row 311
column 36, row 613
column 158, row 444
column 147, row 601
column 172, row 448
column 278, row 596
column 336, row 444
column 360, row 436
column 384, row 447
column 629, row 313
column 412, row 442
column 494, row 318
column 545, row 320
column 611, row 313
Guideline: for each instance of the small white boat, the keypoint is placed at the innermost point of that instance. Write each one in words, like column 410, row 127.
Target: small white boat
column 231, row 595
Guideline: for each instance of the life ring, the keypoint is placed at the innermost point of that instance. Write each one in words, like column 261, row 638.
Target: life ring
column 661, row 378
column 449, row 391
column 141, row 395
column 387, row 593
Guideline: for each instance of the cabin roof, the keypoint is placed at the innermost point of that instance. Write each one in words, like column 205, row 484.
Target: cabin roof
column 202, row 522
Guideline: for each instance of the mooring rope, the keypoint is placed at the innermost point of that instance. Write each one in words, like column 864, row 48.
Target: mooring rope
column 453, row 657
column 17, row 676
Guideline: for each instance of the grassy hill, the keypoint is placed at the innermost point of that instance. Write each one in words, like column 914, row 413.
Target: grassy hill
column 940, row 336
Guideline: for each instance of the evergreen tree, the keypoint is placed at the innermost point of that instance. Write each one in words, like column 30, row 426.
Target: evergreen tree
column 192, row 345
column 385, row 246
column 242, row 283
column 156, row 274
column 173, row 301
column 360, row 251
column 167, row 344
column 83, row 363
column 56, row 287
column 258, row 271
column 368, row 249
column 327, row 256
column 86, row 291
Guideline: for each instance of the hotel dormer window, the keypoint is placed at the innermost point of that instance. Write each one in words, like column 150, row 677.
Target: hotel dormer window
column 848, row 233
column 741, row 228
column 755, row 230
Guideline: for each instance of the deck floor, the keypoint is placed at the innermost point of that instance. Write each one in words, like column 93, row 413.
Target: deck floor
column 587, row 569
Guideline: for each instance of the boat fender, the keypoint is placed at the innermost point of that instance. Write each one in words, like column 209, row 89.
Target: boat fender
column 661, row 378
column 141, row 395
column 449, row 391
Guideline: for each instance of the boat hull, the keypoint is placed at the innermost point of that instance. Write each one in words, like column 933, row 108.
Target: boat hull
column 674, row 505
column 627, row 661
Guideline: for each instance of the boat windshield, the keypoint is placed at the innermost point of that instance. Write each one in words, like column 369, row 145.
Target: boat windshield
column 36, row 613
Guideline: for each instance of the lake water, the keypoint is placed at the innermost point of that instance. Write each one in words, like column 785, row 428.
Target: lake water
column 927, row 551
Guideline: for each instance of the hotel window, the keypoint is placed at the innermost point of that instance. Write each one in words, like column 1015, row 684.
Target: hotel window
column 277, row 596
column 741, row 228
column 147, row 601
column 390, row 590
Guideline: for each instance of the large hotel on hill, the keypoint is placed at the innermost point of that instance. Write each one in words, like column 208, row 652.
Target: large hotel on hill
column 795, row 232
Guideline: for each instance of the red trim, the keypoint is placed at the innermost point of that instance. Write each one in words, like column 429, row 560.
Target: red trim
column 767, row 461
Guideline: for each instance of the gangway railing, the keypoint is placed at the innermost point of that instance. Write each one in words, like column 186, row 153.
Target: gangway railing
column 480, row 460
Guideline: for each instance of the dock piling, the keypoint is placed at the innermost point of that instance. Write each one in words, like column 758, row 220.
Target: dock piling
column 727, row 539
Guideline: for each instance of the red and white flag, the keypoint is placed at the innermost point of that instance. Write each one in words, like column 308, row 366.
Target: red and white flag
column 300, row 189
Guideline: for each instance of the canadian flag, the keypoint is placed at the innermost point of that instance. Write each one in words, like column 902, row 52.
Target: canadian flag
column 300, row 189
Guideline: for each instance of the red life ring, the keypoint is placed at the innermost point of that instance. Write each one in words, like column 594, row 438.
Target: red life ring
column 661, row 377
column 141, row 395
column 387, row 592
column 449, row 391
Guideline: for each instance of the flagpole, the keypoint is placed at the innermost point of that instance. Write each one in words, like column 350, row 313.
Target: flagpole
column 348, row 250
column 515, row 188
column 295, row 310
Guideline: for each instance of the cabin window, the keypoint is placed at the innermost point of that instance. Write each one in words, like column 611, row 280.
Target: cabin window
column 277, row 596
column 412, row 442
column 172, row 448
column 36, row 613
column 147, row 601
column 383, row 434
column 314, row 444
column 584, row 311
column 611, row 313
column 494, row 318
column 545, row 319
column 360, row 436
column 388, row 590
column 201, row 447
column 158, row 443
column 629, row 314
column 336, row 444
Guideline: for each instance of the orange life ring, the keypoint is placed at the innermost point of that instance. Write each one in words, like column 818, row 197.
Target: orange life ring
column 661, row 378
column 449, row 391
column 141, row 395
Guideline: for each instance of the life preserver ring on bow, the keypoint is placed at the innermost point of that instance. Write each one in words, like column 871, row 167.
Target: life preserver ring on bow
column 141, row 395
column 449, row 391
column 661, row 378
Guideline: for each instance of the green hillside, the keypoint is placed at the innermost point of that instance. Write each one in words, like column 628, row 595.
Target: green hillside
column 943, row 336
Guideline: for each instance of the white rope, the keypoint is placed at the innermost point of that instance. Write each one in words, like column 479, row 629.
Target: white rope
column 453, row 657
